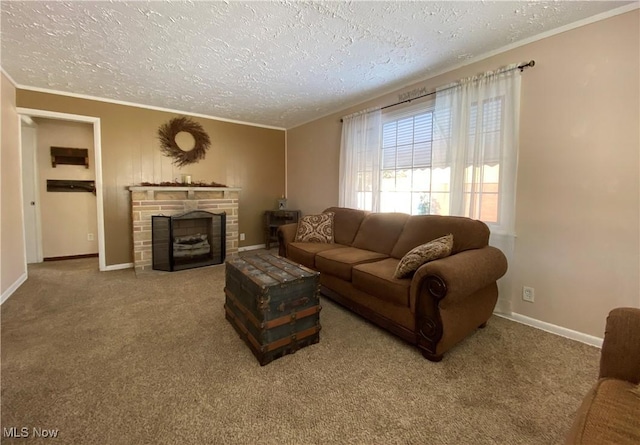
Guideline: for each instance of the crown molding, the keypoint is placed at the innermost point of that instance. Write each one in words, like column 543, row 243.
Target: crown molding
column 580, row 23
column 15, row 85
column 589, row 20
column 147, row 107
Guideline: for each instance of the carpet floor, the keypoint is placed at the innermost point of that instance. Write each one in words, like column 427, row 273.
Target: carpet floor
column 111, row 358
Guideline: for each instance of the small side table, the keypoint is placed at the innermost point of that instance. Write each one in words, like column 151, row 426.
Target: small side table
column 274, row 219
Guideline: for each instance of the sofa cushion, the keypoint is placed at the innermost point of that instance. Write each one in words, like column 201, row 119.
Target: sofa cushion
column 315, row 229
column 351, row 297
column 378, row 280
column 467, row 233
column 416, row 257
column 338, row 262
column 609, row 414
column 380, row 231
column 346, row 223
column 305, row 253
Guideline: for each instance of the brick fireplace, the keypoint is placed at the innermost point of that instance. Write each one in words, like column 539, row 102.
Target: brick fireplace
column 170, row 201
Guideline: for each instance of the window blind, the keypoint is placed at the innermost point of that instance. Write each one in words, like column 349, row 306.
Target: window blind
column 406, row 142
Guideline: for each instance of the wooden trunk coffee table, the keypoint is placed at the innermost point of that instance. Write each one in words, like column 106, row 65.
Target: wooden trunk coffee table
column 273, row 304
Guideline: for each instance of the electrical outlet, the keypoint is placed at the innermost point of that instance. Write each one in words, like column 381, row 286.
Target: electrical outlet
column 89, row 236
column 242, row 237
column 528, row 294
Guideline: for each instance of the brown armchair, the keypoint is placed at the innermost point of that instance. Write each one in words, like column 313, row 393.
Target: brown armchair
column 610, row 412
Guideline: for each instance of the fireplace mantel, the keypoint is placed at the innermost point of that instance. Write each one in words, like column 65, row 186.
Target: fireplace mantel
column 191, row 191
column 140, row 188
column 147, row 201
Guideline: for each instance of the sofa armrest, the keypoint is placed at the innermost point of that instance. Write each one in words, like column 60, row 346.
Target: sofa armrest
column 453, row 278
column 286, row 234
column 620, row 356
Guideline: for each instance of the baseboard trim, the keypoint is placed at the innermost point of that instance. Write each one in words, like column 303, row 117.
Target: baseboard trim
column 553, row 329
column 14, row 287
column 118, row 267
column 71, row 257
column 254, row 247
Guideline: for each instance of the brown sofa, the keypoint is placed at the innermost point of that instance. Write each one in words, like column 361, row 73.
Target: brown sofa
column 610, row 412
column 441, row 304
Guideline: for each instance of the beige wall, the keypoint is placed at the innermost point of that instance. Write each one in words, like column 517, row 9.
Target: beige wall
column 12, row 260
column 313, row 157
column 66, row 217
column 577, row 222
column 240, row 156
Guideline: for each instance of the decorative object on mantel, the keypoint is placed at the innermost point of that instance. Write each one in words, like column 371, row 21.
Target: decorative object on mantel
column 415, row 93
column 180, row 184
column 169, row 147
column 70, row 156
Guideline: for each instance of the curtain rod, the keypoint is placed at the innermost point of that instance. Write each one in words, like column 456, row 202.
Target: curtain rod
column 522, row 67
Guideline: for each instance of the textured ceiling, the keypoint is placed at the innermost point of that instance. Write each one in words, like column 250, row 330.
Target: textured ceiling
column 271, row 63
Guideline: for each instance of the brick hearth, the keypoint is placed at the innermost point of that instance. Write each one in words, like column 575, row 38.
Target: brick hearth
column 169, row 201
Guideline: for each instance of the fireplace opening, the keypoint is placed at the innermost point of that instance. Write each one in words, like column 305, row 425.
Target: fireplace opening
column 192, row 239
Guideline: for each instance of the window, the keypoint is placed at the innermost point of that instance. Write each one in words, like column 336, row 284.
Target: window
column 456, row 155
column 416, row 163
column 482, row 181
column 408, row 182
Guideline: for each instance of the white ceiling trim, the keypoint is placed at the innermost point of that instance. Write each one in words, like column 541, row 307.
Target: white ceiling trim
column 148, row 107
column 544, row 35
column 282, row 124
column 553, row 32
column 9, row 77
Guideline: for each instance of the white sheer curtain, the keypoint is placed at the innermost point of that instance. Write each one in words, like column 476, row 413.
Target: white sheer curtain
column 360, row 153
column 476, row 142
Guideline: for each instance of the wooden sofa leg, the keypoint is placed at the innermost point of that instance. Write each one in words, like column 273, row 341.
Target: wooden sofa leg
column 431, row 357
column 483, row 325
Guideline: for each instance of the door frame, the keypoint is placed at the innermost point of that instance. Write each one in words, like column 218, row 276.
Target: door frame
column 97, row 148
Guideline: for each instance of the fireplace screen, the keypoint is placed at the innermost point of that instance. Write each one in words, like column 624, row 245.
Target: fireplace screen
column 193, row 239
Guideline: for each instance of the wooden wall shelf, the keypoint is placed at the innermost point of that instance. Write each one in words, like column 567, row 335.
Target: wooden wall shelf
column 70, row 185
column 70, row 156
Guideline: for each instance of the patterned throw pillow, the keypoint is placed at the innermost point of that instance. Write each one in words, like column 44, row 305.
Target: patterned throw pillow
column 416, row 257
column 315, row 228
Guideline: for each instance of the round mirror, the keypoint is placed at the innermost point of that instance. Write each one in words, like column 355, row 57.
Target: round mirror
column 185, row 141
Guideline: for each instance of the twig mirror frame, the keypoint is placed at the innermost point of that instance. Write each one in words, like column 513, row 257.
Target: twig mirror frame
column 169, row 147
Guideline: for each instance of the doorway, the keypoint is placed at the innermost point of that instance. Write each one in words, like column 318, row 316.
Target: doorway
column 33, row 213
column 30, row 191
